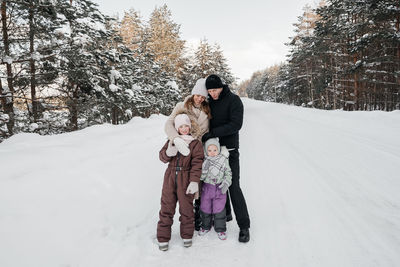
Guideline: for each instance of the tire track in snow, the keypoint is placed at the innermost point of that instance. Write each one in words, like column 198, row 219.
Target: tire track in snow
column 352, row 233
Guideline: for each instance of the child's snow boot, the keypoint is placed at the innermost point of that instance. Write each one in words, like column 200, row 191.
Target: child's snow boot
column 163, row 246
column 187, row 243
column 203, row 231
column 222, row 235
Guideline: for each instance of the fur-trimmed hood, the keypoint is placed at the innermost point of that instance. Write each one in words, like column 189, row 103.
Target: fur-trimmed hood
column 200, row 121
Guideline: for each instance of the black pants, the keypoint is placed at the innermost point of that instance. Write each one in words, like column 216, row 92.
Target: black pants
column 197, row 218
column 235, row 193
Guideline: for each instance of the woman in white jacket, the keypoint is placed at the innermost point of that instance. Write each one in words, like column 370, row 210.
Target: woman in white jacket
column 198, row 110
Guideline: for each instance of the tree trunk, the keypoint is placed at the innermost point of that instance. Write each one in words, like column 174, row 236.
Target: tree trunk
column 3, row 104
column 355, row 90
column 334, row 79
column 2, row 97
column 32, row 62
column 309, row 80
column 375, row 98
column 9, row 100
column 398, row 31
column 398, row 52
column 74, row 108
column 114, row 112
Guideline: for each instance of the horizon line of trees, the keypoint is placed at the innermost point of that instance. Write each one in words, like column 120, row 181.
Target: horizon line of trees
column 64, row 65
column 344, row 55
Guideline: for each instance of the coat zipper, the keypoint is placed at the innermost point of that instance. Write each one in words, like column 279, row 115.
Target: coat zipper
column 176, row 171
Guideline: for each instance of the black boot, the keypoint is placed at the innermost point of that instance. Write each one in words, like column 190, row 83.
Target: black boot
column 228, row 217
column 244, row 235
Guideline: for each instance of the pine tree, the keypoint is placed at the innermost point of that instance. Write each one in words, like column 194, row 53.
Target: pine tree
column 252, row 85
column 284, row 86
column 345, row 54
column 7, row 91
column 209, row 59
column 65, row 66
column 270, row 90
column 131, row 30
column 82, row 60
column 42, row 24
column 28, row 42
column 164, row 39
column 222, row 68
column 362, row 38
column 203, row 64
column 302, row 59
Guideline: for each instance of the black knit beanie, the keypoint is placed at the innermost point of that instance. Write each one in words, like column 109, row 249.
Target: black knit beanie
column 213, row 82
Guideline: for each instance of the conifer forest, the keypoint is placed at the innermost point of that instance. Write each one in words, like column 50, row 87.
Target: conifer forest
column 345, row 55
column 64, row 65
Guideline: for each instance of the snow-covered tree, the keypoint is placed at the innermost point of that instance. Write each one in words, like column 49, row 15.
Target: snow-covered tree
column 221, row 65
column 131, row 29
column 8, row 57
column 82, row 59
column 209, row 59
column 253, row 85
column 345, row 54
column 164, row 39
column 65, row 66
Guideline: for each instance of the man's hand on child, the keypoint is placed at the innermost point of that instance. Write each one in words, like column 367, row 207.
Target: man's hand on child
column 192, row 188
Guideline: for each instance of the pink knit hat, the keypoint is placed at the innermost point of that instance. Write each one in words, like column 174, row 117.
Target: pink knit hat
column 180, row 120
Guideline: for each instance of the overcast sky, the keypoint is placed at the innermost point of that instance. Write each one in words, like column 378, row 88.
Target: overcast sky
column 251, row 33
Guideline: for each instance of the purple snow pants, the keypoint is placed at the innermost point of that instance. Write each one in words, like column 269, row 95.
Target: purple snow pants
column 212, row 200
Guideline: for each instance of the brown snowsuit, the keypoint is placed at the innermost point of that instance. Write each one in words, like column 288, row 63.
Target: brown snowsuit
column 180, row 172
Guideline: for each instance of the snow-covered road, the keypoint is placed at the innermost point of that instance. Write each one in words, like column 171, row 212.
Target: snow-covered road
column 322, row 190
column 326, row 185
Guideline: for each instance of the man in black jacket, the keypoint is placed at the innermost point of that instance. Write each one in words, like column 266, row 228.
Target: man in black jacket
column 226, row 121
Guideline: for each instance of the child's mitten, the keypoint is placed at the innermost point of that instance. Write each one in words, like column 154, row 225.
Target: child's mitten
column 192, row 188
column 182, row 146
column 171, row 150
column 224, row 186
column 224, row 151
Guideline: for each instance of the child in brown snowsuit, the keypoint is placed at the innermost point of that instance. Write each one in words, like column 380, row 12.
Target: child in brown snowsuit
column 181, row 182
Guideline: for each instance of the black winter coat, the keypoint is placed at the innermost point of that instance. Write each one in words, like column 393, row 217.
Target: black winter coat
column 227, row 118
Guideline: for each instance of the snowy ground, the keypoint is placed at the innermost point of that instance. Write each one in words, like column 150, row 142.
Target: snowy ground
column 322, row 190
